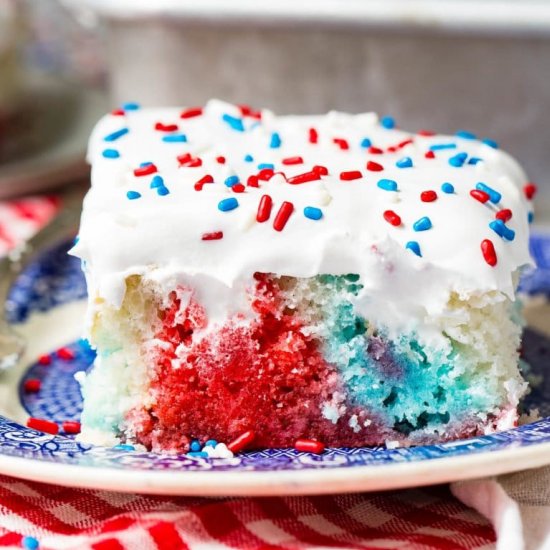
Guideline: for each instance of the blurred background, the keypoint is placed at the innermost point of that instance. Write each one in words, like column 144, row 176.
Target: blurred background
column 479, row 65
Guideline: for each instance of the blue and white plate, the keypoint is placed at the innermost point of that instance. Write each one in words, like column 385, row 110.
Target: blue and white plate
column 48, row 303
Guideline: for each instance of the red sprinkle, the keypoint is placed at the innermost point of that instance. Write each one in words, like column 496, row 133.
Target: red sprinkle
column 375, row 150
column 391, row 217
column 488, row 251
column 204, row 180
column 321, row 170
column 404, row 143
column 264, row 209
column 426, row 133
column 220, row 160
column 428, row 196
column 429, row 155
column 342, row 143
column 118, row 112
column 189, row 161
column 241, row 442
column 282, row 216
column 43, row 425
column 305, row 177
column 71, row 427
column 391, row 149
column 530, row 190
column 145, row 170
column 479, row 195
column 44, row 360
column 374, row 166
column 313, row 135
column 309, row 446
column 265, row 174
column 214, row 236
column 245, row 109
column 191, row 112
column 252, row 181
column 66, row 354
column 32, row 385
column 238, row 188
column 351, row 175
column 293, row 160
column 505, row 215
column 166, row 127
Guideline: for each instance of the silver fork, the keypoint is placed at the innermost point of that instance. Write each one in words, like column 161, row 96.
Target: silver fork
column 61, row 227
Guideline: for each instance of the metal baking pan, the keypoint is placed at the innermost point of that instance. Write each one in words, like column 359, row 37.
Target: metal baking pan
column 480, row 65
column 465, row 15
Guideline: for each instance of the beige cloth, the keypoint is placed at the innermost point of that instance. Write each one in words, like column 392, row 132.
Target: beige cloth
column 518, row 506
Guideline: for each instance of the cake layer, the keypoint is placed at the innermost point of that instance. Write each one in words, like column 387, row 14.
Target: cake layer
column 302, row 363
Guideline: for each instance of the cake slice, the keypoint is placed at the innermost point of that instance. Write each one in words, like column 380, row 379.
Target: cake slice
column 330, row 278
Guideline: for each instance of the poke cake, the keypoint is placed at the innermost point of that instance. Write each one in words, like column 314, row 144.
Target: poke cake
column 332, row 280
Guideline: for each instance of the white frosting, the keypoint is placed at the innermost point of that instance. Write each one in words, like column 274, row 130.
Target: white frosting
column 161, row 235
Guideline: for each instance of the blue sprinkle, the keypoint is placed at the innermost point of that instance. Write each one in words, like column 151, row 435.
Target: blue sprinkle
column 415, row 247
column 387, row 185
column 211, row 443
column 264, row 165
column 111, row 154
column 448, row 188
column 494, row 196
column 530, row 217
column 157, row 181
column 133, row 195
column 313, row 213
column 226, row 205
column 423, row 224
column 198, row 454
column 115, row 135
column 490, row 142
column 163, row 191
column 249, row 158
column 388, row 122
column 30, row 543
column 458, row 160
column 465, row 134
column 233, row 121
column 195, row 446
column 175, row 138
column 499, row 227
column 231, row 181
column 405, row 162
column 366, row 142
column 441, row 146
column 275, row 142
column 143, row 164
column 131, row 106
column 474, row 160
column 124, row 447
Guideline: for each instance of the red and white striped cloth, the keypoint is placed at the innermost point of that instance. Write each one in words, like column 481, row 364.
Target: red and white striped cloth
column 20, row 219
column 61, row 518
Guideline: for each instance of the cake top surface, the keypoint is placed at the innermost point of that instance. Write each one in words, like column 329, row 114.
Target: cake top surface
column 225, row 191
